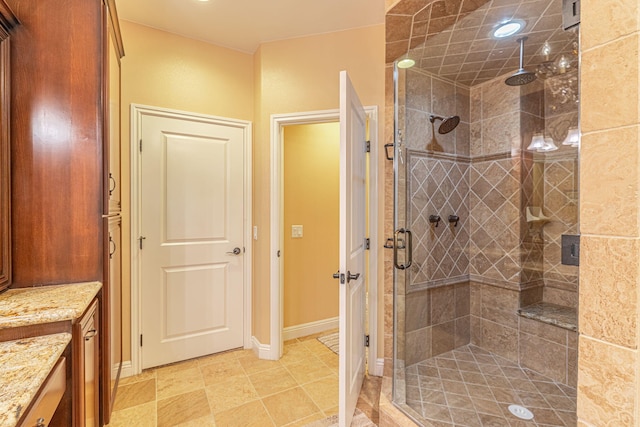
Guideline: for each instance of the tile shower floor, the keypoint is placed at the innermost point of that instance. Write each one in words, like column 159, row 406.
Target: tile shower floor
column 236, row 388
column 472, row 387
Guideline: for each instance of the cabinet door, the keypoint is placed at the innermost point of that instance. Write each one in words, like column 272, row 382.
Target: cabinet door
column 113, row 55
column 115, row 304
column 86, row 369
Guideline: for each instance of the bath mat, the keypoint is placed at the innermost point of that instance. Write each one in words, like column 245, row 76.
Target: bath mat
column 331, row 341
column 359, row 420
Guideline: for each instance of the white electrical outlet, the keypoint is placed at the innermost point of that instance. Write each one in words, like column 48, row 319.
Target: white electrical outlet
column 296, row 231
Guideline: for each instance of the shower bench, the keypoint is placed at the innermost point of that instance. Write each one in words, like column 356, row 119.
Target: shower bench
column 552, row 314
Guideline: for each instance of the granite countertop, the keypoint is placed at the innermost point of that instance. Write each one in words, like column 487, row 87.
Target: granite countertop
column 24, row 366
column 45, row 304
column 553, row 314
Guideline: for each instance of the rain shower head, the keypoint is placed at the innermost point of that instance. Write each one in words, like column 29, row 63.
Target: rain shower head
column 448, row 124
column 522, row 76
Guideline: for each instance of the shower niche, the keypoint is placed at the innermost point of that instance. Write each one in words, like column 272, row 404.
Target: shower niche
column 485, row 315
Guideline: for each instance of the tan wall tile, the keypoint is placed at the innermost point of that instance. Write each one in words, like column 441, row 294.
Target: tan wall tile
column 608, row 289
column 606, row 384
column 597, row 78
column 500, row 340
column 418, row 347
column 546, row 357
column 614, row 155
column 443, row 304
column 543, row 330
column 417, row 312
column 624, row 13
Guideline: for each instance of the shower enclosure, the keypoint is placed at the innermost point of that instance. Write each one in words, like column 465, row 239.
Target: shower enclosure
column 486, row 240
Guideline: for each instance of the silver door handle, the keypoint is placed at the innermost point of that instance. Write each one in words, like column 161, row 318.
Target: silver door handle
column 351, row 276
column 409, row 247
column 236, row 251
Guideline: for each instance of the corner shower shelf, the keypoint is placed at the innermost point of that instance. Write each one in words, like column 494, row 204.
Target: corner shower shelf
column 552, row 314
column 535, row 215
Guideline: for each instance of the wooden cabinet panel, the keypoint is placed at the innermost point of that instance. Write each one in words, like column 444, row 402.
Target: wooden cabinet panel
column 7, row 22
column 113, row 53
column 86, row 348
column 48, row 397
column 114, row 335
column 57, row 117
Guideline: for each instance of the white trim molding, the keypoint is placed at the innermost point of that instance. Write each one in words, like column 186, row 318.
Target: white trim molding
column 137, row 111
column 262, row 351
column 278, row 122
column 378, row 369
column 306, row 329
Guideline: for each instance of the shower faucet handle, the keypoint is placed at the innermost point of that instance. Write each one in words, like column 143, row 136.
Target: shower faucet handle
column 434, row 219
column 453, row 219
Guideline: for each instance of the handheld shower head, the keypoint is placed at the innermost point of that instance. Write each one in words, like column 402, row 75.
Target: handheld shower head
column 448, row 123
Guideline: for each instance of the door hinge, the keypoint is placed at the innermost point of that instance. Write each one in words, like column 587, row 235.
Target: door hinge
column 140, row 340
column 367, row 146
column 367, row 244
column 140, row 145
column 140, row 239
column 366, row 340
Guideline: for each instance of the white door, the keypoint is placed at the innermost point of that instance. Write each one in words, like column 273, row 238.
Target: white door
column 352, row 249
column 191, row 228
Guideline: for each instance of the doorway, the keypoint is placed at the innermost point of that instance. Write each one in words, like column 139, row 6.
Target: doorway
column 310, row 218
column 278, row 125
column 191, row 269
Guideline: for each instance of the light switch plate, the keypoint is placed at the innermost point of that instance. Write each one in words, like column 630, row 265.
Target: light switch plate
column 296, row 231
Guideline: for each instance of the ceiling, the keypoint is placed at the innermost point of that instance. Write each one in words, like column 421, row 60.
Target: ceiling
column 462, row 48
column 244, row 24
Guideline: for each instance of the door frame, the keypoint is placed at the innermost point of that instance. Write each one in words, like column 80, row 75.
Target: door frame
column 276, row 279
column 137, row 112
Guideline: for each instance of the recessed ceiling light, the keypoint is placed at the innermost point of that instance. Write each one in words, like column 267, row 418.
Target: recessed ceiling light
column 406, row 63
column 508, row 28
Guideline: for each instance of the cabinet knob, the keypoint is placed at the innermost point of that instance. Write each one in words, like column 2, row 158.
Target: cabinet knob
column 40, row 422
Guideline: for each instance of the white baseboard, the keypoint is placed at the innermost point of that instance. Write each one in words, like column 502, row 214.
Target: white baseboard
column 378, row 370
column 127, row 370
column 262, row 351
column 310, row 328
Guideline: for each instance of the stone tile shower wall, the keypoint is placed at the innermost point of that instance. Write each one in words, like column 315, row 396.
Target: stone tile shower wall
column 560, row 193
column 437, row 317
column 502, row 250
column 437, row 180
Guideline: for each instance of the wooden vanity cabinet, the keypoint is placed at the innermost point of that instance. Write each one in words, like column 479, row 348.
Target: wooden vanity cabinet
column 86, row 369
column 65, row 162
column 7, row 22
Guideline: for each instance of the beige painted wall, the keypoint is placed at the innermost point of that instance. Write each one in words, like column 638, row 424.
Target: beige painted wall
column 296, row 75
column 301, row 75
column 311, row 199
column 165, row 70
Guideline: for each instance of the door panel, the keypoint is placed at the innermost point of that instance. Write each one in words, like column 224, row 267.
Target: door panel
column 192, row 219
column 352, row 249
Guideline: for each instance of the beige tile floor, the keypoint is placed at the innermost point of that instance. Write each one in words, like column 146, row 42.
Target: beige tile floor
column 236, row 388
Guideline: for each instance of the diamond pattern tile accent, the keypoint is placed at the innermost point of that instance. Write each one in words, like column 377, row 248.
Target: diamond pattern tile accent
column 495, row 204
column 470, row 386
column 437, row 187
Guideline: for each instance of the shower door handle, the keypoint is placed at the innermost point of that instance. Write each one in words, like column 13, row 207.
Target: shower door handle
column 408, row 246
